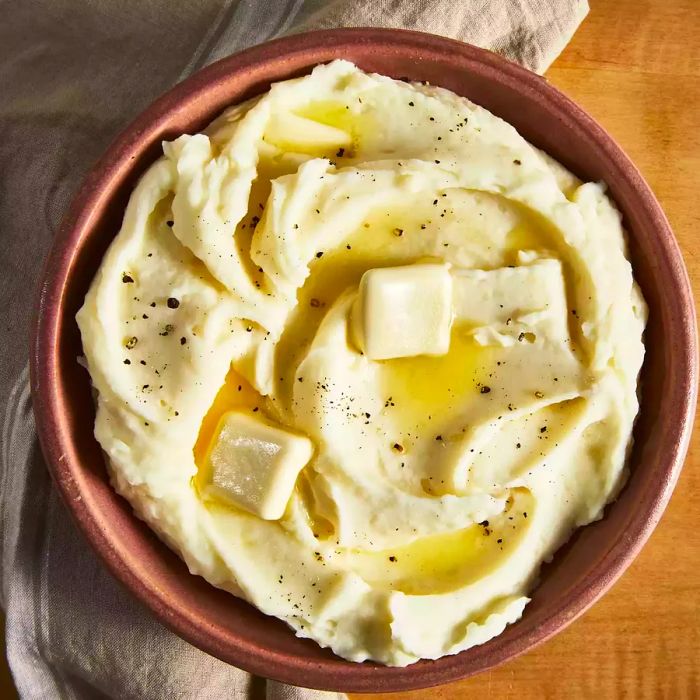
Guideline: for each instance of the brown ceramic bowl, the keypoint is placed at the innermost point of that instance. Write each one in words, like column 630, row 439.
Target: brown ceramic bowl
column 230, row 628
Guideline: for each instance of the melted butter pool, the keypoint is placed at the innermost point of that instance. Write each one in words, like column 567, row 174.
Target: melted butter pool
column 445, row 562
column 424, row 391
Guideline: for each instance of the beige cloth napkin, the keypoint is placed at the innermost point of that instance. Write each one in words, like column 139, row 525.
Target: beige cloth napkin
column 531, row 32
column 72, row 73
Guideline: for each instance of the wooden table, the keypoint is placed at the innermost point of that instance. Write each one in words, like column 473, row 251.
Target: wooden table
column 635, row 66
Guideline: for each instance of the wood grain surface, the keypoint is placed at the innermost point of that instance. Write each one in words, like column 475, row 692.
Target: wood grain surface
column 635, row 66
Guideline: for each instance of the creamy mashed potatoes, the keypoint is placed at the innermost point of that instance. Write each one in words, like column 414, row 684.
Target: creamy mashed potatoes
column 438, row 482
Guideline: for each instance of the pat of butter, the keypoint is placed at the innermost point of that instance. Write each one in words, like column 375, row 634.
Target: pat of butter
column 254, row 465
column 404, row 311
column 290, row 130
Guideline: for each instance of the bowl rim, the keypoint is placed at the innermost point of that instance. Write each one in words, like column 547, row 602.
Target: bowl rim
column 55, row 438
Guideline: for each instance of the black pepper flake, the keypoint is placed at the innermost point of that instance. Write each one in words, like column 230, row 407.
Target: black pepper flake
column 173, row 303
column 127, row 362
column 438, row 438
column 340, row 153
column 319, row 254
column 518, row 445
column 169, row 328
column 517, row 161
column 153, row 304
column 543, row 429
column 398, row 447
column 127, row 279
column 521, row 337
column 142, row 362
column 249, row 329
column 398, row 232
column 183, row 340
column 144, row 316
column 485, row 389
column 131, row 342
column 410, row 104
column 392, row 559
column 499, row 541
column 349, row 247
column 170, row 223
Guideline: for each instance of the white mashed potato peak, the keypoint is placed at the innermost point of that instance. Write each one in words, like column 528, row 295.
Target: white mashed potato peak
column 438, row 483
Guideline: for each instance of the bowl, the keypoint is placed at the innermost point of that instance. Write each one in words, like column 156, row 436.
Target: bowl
column 227, row 627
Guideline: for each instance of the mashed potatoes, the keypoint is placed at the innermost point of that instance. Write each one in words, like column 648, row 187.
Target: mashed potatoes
column 430, row 434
